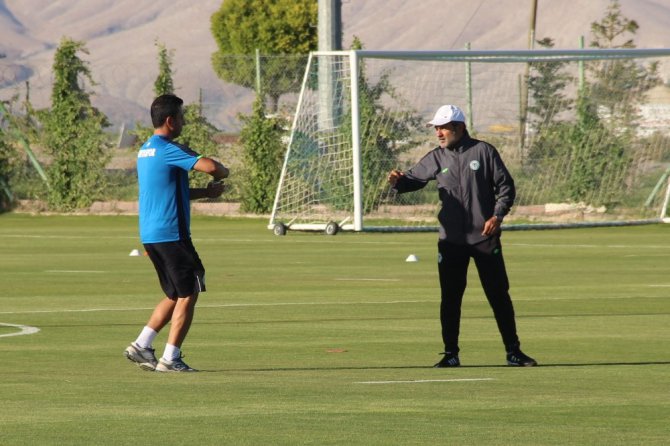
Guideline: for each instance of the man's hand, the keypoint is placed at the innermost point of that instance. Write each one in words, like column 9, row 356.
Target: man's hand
column 491, row 226
column 214, row 189
column 394, row 176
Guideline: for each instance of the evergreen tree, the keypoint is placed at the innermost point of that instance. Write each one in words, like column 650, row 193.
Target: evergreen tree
column 198, row 133
column 7, row 159
column 164, row 83
column 598, row 159
column 598, row 145
column 619, row 86
column 17, row 131
column 546, row 83
column 261, row 138
column 615, row 90
column 73, row 133
column 381, row 141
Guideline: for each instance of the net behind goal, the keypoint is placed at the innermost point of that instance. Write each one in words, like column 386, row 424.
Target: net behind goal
column 583, row 132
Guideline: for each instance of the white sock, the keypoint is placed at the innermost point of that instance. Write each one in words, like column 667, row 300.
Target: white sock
column 171, row 352
column 146, row 337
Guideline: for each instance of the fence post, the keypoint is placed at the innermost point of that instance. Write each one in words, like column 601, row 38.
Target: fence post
column 468, row 90
column 258, row 71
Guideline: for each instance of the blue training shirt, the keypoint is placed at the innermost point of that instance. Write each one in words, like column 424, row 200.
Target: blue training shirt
column 162, row 174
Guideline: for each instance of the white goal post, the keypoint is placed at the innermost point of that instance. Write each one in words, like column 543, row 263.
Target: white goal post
column 361, row 113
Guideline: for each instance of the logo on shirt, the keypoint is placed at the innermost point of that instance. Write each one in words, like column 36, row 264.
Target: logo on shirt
column 474, row 165
column 439, row 257
column 146, row 153
column 445, row 170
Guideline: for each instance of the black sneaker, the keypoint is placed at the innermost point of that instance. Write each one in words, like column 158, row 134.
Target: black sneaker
column 449, row 360
column 517, row 358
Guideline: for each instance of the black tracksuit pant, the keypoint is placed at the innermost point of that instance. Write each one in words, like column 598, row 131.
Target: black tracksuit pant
column 453, row 268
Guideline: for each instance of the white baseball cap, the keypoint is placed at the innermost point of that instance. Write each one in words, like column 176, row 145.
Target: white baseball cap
column 445, row 115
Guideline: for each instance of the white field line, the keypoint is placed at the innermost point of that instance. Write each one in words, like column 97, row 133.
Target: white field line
column 288, row 304
column 317, row 240
column 72, row 237
column 421, row 381
column 567, row 245
column 208, row 239
column 66, row 271
column 344, row 279
column 647, row 255
column 236, row 305
column 24, row 330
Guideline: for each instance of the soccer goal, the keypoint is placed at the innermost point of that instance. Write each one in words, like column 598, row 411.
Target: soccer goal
column 584, row 133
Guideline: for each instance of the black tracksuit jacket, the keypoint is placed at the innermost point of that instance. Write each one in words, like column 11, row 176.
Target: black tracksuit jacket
column 473, row 185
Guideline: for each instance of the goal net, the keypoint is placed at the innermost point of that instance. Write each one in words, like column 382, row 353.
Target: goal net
column 583, row 132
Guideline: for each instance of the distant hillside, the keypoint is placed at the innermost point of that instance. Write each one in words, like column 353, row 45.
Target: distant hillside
column 120, row 37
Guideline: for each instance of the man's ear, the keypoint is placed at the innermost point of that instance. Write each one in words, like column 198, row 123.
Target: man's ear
column 169, row 122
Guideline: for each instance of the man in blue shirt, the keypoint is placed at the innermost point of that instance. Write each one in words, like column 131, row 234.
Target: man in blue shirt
column 164, row 213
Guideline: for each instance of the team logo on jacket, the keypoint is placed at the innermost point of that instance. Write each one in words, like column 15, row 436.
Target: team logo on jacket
column 474, row 165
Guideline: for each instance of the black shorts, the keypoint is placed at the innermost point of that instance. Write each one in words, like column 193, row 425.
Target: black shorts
column 179, row 268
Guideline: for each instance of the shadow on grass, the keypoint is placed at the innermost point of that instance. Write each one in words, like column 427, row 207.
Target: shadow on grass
column 607, row 364
column 409, row 367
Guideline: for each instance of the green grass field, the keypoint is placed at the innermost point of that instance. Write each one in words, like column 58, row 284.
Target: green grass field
column 310, row 339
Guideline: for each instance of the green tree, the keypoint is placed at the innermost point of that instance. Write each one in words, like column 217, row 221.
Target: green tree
column 277, row 28
column 261, row 137
column 73, row 133
column 546, row 87
column 8, row 155
column 18, row 130
column 597, row 146
column 546, row 83
column 11, row 165
column 198, row 133
column 383, row 136
column 614, row 92
column 164, row 83
column 381, row 140
column 598, row 159
column 619, row 86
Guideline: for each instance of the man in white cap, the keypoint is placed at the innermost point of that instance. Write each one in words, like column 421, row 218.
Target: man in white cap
column 476, row 191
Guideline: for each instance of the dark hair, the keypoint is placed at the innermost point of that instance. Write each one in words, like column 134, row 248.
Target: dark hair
column 164, row 106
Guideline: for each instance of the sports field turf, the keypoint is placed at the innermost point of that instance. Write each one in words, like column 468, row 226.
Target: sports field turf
column 311, row 339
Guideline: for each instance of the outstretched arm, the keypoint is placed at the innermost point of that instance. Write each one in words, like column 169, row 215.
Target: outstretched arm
column 415, row 178
column 404, row 182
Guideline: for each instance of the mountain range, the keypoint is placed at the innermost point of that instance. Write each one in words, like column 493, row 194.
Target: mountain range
column 121, row 37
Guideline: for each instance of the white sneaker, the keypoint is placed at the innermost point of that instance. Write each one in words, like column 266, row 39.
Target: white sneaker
column 177, row 365
column 143, row 357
